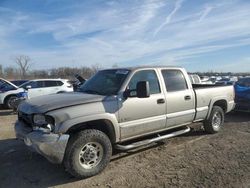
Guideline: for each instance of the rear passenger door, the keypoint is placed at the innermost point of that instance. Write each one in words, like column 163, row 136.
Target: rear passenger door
column 180, row 99
column 51, row 86
column 142, row 115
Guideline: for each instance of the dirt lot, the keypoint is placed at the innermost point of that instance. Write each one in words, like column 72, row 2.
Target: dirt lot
column 192, row 160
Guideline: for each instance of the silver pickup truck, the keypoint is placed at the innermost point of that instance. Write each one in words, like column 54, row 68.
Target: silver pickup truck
column 121, row 108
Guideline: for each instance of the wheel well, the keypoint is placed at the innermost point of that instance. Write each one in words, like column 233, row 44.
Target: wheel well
column 7, row 97
column 102, row 125
column 222, row 104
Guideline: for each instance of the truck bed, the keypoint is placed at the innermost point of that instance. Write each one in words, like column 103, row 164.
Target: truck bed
column 207, row 94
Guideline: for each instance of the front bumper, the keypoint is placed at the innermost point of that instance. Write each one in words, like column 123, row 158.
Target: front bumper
column 51, row 146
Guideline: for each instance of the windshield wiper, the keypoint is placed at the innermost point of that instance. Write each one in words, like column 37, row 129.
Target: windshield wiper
column 92, row 92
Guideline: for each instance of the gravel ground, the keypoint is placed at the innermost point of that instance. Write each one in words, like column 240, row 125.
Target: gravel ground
column 195, row 159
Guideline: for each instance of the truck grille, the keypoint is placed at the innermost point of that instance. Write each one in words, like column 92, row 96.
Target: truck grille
column 26, row 118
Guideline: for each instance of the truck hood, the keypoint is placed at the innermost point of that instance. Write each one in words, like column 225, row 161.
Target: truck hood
column 47, row 103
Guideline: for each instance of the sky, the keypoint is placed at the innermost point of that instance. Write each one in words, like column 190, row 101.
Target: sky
column 198, row 35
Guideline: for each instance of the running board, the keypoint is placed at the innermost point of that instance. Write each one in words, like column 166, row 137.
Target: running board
column 149, row 141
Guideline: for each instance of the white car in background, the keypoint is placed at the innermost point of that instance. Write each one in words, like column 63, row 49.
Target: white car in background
column 40, row 87
column 8, row 92
column 35, row 88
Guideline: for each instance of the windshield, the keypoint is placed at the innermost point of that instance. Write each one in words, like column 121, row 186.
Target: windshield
column 25, row 84
column 106, row 82
column 4, row 86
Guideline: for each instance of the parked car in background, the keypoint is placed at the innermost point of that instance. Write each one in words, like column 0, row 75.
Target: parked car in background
column 8, row 92
column 195, row 79
column 242, row 94
column 214, row 79
column 205, row 80
column 46, row 86
column 18, row 82
column 227, row 81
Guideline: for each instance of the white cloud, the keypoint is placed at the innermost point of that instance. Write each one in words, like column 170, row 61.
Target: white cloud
column 207, row 10
column 177, row 6
column 125, row 34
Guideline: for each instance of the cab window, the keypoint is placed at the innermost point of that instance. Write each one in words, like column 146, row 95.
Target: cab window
column 145, row 75
column 174, row 80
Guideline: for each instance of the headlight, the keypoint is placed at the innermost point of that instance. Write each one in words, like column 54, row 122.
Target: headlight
column 43, row 122
column 39, row 119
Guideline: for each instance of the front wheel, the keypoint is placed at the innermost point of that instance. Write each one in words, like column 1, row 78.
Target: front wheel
column 215, row 121
column 9, row 102
column 87, row 153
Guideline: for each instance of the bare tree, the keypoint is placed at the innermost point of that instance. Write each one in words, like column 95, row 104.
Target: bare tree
column 10, row 72
column 23, row 63
column 96, row 67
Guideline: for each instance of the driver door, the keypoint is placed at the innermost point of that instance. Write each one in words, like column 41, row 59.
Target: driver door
column 142, row 115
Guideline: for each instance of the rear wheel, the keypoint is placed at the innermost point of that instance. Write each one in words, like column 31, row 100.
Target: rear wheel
column 9, row 101
column 87, row 153
column 215, row 121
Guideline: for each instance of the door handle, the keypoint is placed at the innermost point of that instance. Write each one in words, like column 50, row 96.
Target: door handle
column 160, row 101
column 188, row 97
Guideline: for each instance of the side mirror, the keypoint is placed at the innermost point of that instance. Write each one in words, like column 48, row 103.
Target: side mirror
column 28, row 87
column 142, row 89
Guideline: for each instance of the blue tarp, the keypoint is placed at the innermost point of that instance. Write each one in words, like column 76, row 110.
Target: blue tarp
column 242, row 92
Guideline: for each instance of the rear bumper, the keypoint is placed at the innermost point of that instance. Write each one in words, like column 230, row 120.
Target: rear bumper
column 51, row 146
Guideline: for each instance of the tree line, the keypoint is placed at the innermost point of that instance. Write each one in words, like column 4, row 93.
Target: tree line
column 23, row 63
column 22, row 70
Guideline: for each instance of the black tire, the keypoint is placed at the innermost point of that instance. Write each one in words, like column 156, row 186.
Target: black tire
column 215, row 121
column 9, row 101
column 75, row 157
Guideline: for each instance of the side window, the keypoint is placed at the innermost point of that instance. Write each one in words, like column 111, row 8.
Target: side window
column 145, row 75
column 33, row 84
column 174, row 80
column 59, row 83
column 50, row 83
column 38, row 84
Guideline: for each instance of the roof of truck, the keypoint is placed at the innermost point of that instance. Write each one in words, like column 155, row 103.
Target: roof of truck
column 146, row 67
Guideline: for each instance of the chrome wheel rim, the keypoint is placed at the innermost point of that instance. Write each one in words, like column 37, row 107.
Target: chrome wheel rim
column 90, row 155
column 216, row 120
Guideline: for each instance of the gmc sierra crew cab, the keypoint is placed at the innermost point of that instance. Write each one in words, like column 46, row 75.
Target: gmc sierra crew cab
column 122, row 108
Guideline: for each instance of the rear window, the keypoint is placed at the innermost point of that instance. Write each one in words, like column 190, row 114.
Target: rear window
column 51, row 83
column 59, row 83
column 174, row 80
